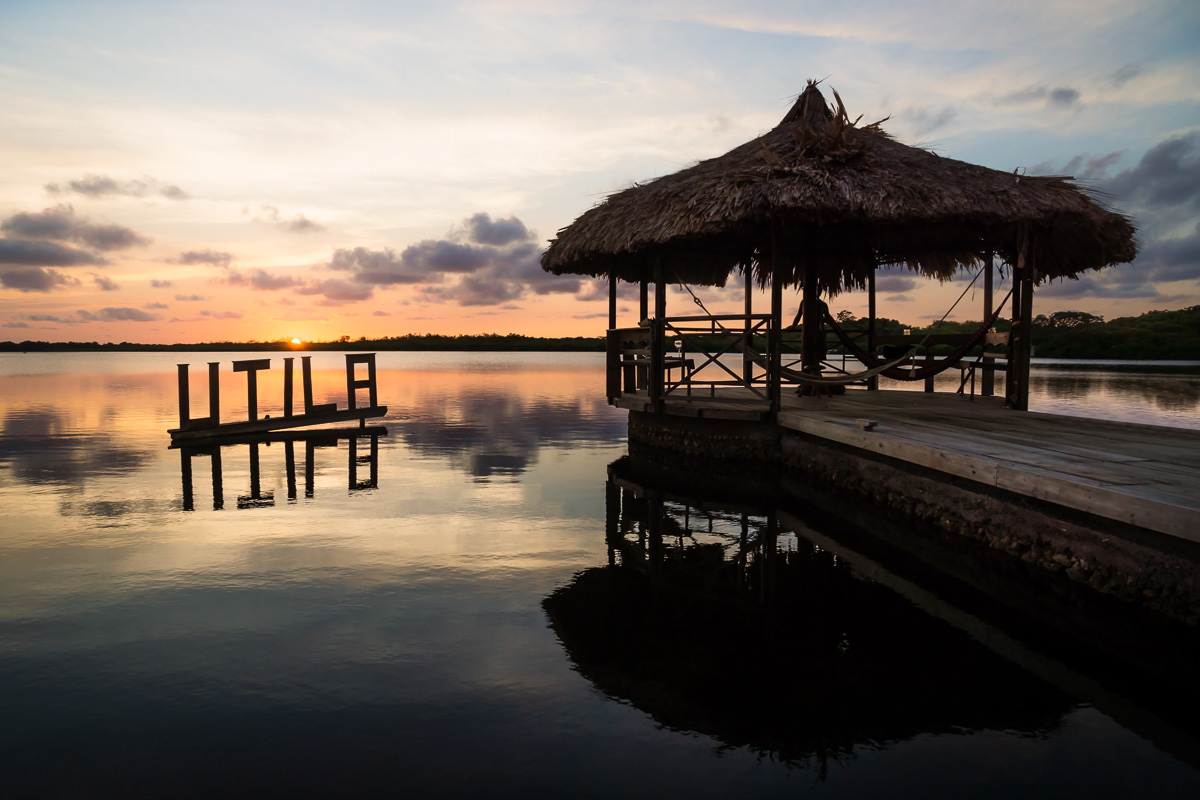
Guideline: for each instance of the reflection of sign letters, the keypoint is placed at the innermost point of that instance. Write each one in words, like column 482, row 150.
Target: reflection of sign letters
column 258, row 497
column 194, row 428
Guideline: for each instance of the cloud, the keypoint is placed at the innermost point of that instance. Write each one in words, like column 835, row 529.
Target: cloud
column 286, row 301
column 45, row 254
column 484, row 230
column 261, row 280
column 105, row 186
column 1168, row 260
column 295, row 224
column 338, row 292
column 1167, row 175
column 190, row 298
column 379, row 267
column 476, row 290
column 221, row 314
column 509, row 274
column 432, row 257
column 51, row 318
column 61, row 224
column 116, row 315
column 1090, row 168
column 381, row 313
column 1126, row 73
column 1094, row 286
column 1063, row 97
column 105, row 284
column 593, row 289
column 927, row 120
column 1058, row 97
column 157, row 284
column 894, row 284
column 157, row 305
column 498, row 261
column 17, row 325
column 216, row 258
column 35, row 280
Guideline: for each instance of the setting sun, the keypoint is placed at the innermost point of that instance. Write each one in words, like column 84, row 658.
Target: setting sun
column 296, row 341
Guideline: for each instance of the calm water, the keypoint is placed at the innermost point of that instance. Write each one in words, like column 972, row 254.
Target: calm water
column 444, row 614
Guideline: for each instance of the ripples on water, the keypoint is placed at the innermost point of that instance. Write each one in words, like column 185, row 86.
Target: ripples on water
column 469, row 611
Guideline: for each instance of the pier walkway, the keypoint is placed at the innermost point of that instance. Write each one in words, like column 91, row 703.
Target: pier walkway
column 1144, row 475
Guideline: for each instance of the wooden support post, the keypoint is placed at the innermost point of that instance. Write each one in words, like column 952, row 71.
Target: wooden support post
column 1010, row 377
column 988, row 385
column 812, row 340
column 251, row 367
column 612, row 517
column 214, row 393
column 775, row 335
column 658, row 338
column 1029, row 274
column 1019, row 346
column 613, row 371
column 368, row 383
column 287, row 387
column 185, row 400
column 747, row 361
column 185, row 471
column 873, row 381
column 217, row 480
column 306, row 376
column 289, row 457
column 353, row 468
column 310, row 456
column 612, row 299
column 255, row 482
column 643, row 300
column 375, row 461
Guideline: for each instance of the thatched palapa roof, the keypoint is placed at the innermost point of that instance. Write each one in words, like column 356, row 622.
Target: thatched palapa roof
column 850, row 198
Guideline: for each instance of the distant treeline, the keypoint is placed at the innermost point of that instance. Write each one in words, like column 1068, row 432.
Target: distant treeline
column 481, row 342
column 1173, row 335
column 1155, row 335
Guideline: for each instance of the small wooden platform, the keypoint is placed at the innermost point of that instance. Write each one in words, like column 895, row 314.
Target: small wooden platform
column 272, row 424
column 1144, row 475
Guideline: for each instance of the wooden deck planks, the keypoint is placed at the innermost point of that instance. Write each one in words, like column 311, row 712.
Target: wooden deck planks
column 1141, row 474
column 1145, row 475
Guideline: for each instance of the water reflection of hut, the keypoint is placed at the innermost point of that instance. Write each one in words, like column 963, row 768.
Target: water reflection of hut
column 781, row 649
column 819, row 203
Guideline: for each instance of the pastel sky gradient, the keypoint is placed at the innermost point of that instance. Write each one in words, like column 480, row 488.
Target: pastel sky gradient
column 210, row 171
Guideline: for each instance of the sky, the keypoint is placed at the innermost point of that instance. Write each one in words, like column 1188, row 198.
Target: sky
column 211, row 171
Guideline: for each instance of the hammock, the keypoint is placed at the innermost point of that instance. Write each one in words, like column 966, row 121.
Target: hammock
column 821, row 380
column 929, row 370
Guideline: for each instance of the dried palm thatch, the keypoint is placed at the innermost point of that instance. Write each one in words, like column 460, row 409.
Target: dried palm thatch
column 817, row 188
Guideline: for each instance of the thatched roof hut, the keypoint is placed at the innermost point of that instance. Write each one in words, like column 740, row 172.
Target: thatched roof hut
column 822, row 191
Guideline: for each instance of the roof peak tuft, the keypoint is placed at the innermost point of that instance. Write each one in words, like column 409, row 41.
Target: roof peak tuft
column 810, row 110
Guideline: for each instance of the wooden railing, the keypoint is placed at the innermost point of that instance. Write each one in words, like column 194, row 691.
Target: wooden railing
column 689, row 356
column 740, row 358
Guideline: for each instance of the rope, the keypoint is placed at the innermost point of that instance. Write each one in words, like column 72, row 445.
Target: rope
column 929, row 370
column 688, row 289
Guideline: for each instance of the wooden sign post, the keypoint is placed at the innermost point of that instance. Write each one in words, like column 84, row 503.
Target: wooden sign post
column 211, row 426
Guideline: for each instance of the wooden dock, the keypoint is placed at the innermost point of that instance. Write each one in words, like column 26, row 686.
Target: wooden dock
column 1143, row 475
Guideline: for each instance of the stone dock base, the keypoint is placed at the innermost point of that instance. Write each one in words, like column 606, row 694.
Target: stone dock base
column 992, row 531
